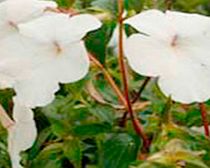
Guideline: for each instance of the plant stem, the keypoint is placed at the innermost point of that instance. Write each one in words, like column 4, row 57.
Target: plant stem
column 136, row 124
column 204, row 118
column 5, row 120
column 109, row 79
column 138, row 95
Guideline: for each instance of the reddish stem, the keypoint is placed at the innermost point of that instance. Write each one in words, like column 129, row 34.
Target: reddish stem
column 109, row 79
column 138, row 95
column 136, row 124
column 204, row 118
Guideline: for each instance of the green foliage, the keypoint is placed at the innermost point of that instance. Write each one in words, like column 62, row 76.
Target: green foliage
column 65, row 3
column 100, row 38
column 119, row 151
column 77, row 130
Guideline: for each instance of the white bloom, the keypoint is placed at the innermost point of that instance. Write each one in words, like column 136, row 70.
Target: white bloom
column 22, row 134
column 14, row 48
column 37, row 53
column 114, row 41
column 60, row 55
column 175, row 49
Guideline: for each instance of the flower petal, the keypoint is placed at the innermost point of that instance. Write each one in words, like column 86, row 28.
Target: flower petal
column 47, row 28
column 88, row 23
column 186, row 24
column 14, row 52
column 113, row 43
column 74, row 64
column 187, row 83
column 151, row 22
column 13, row 9
column 37, row 89
column 21, row 135
column 148, row 56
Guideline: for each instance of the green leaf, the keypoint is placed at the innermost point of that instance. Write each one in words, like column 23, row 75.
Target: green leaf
column 51, row 156
column 100, row 38
column 73, row 151
column 103, row 113
column 177, row 154
column 89, row 130
column 136, row 5
column 195, row 142
column 107, row 5
column 42, row 138
column 119, row 151
column 65, row 3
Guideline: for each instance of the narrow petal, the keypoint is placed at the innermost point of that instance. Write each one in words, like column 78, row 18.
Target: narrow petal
column 113, row 43
column 148, row 56
column 21, row 135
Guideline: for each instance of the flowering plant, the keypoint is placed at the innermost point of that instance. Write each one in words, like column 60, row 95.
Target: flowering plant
column 104, row 83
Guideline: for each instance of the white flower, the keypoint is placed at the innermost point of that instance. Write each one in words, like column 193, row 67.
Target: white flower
column 59, row 55
column 114, row 41
column 22, row 134
column 14, row 12
column 37, row 53
column 14, row 48
column 174, row 47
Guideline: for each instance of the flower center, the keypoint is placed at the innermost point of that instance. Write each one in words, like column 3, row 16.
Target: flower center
column 13, row 25
column 57, row 47
column 174, row 40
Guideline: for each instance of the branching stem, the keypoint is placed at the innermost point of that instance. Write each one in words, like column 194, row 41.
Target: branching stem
column 136, row 124
column 110, row 80
column 141, row 89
